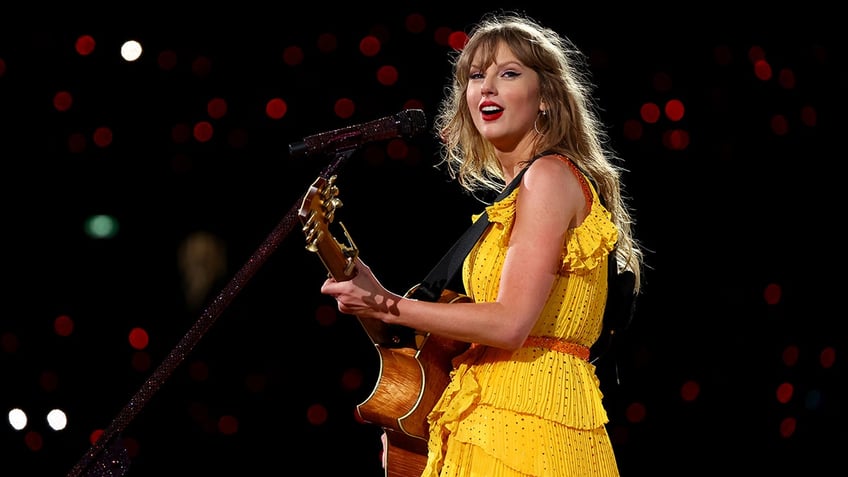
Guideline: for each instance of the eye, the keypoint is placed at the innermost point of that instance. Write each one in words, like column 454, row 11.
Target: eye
column 475, row 75
column 510, row 74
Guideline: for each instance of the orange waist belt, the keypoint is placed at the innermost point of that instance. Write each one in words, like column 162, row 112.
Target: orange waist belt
column 558, row 344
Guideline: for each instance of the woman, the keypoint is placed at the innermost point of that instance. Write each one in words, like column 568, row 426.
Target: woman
column 524, row 399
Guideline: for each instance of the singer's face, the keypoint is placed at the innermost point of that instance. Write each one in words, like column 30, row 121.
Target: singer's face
column 503, row 98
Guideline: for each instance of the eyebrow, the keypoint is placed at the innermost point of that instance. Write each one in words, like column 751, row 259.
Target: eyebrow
column 514, row 62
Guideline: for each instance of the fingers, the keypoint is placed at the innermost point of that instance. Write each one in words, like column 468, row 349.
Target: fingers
column 327, row 286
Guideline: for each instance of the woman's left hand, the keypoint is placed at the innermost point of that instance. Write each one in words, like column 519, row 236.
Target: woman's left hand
column 363, row 295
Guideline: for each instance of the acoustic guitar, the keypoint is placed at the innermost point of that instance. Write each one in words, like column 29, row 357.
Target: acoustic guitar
column 414, row 366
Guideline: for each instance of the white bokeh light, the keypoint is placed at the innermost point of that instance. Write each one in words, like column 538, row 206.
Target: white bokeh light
column 57, row 419
column 131, row 50
column 17, row 418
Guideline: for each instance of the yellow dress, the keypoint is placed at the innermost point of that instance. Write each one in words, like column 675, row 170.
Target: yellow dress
column 536, row 411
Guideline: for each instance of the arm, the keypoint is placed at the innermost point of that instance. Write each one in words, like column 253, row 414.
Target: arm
column 550, row 201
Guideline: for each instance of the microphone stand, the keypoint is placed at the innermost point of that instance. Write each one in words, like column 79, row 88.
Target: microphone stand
column 108, row 457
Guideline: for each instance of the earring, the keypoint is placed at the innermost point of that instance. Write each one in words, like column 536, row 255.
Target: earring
column 543, row 113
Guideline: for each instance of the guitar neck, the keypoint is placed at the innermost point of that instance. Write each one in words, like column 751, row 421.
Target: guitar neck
column 316, row 213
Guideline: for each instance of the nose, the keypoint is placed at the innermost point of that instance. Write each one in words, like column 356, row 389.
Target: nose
column 487, row 87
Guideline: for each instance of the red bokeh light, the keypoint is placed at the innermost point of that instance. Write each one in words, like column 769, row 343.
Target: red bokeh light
column 102, row 137
column 63, row 325
column 636, row 412
column 327, row 43
column 779, row 125
column 95, row 434
column 167, row 60
column 34, row 441
column 633, row 129
column 369, row 46
column 784, row 392
column 650, row 113
column 397, row 149
column 63, row 101
column 676, row 139
column 77, row 143
column 276, row 108
column 674, row 110
column 772, row 293
column 141, row 361
column 415, row 23
column 138, row 338
column 387, row 75
column 790, row 355
column 787, row 427
column 326, row 315
column 48, row 380
column 344, row 108
column 756, row 53
column 9, row 342
column 198, row 371
column 201, row 66
column 690, row 390
column 457, row 40
column 316, row 414
column 85, row 45
column 293, row 55
column 216, row 108
column 762, row 70
column 228, row 425
column 180, row 133
column 809, row 116
column 786, row 78
column 827, row 357
column 203, row 131
column 352, row 379
column 413, row 104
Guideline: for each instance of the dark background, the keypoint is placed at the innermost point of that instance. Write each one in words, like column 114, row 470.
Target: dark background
column 741, row 209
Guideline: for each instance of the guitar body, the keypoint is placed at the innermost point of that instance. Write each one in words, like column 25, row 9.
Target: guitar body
column 411, row 380
column 405, row 456
column 414, row 366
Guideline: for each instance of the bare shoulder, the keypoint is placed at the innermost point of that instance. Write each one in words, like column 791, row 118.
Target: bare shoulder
column 550, row 186
column 551, row 172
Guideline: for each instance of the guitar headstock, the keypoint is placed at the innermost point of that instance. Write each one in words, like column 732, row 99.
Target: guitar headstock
column 317, row 211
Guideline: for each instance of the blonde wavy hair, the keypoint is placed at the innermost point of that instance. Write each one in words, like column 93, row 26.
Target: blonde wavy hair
column 571, row 126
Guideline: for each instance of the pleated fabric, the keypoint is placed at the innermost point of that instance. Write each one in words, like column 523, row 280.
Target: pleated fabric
column 535, row 411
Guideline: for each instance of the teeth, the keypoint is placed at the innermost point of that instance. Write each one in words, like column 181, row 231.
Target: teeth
column 490, row 109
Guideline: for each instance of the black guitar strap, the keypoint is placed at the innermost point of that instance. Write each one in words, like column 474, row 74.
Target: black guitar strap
column 430, row 289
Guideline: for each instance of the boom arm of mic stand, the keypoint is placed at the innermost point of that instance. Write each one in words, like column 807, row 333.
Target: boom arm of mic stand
column 93, row 463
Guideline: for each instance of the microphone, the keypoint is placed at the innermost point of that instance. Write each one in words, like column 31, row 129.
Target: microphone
column 406, row 123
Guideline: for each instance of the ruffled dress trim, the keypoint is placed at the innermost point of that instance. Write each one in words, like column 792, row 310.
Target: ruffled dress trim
column 477, row 408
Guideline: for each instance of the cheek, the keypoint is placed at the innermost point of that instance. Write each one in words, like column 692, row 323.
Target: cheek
column 471, row 100
column 528, row 104
column 471, row 103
